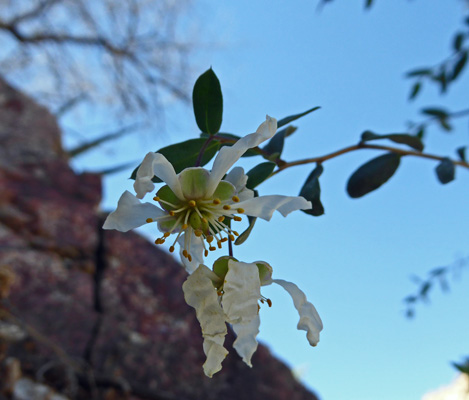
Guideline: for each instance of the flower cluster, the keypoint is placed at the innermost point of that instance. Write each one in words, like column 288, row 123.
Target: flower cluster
column 231, row 293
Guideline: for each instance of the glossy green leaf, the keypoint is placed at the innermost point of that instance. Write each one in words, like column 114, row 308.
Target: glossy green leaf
column 311, row 191
column 259, row 174
column 459, row 66
column 464, row 368
column 462, row 153
column 274, row 147
column 458, row 41
column 419, row 72
column 435, row 112
column 183, row 155
column 401, row 138
column 415, row 90
column 371, row 175
column 207, row 100
column 243, row 237
column 445, row 171
column 287, row 120
column 368, row 3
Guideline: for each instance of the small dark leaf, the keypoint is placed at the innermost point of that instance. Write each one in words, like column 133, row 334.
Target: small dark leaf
column 445, row 171
column 243, row 237
column 401, row 138
column 183, row 155
column 459, row 66
column 289, row 130
column 462, row 153
column 421, row 132
column 464, row 368
column 275, row 144
column 442, row 79
column 207, row 100
column 368, row 3
column 372, row 175
column 458, row 41
column 435, row 112
column 287, row 120
column 311, row 191
column 445, row 124
column 415, row 90
column 425, row 288
column 259, row 174
column 419, row 72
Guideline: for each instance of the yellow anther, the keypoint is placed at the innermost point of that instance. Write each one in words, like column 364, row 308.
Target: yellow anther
column 227, row 207
column 220, row 219
column 206, row 253
column 236, row 233
column 204, row 220
column 211, row 248
column 235, row 199
column 166, row 234
column 198, row 232
column 149, row 220
column 185, row 226
column 171, row 249
column 232, row 238
column 184, row 253
column 240, row 210
column 220, row 292
column 171, row 213
column 219, row 244
column 209, row 238
column 192, row 203
column 216, row 201
column 156, row 198
column 223, row 240
column 269, row 302
column 189, row 258
column 159, row 241
column 236, row 218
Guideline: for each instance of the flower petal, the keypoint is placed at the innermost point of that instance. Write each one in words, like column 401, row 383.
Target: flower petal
column 155, row 164
column 246, row 343
column 241, row 292
column 228, row 155
column 194, row 182
column 131, row 213
column 238, row 178
column 264, row 206
column 309, row 317
column 200, row 293
column 195, row 249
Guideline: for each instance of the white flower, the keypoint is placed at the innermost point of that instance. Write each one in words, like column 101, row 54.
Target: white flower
column 231, row 293
column 196, row 203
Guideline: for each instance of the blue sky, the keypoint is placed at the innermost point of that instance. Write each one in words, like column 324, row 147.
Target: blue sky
column 355, row 261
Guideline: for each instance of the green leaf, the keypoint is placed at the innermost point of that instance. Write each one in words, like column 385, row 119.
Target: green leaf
column 445, row 171
column 415, row 90
column 311, row 191
column 462, row 153
column 243, row 237
column 421, row 132
column 287, row 120
column 371, row 175
column 442, row 79
column 259, row 174
column 275, row 145
column 368, row 3
column 464, row 368
column 183, row 155
column 458, row 41
column 207, row 100
column 249, row 153
column 419, row 72
column 401, row 138
column 459, row 66
column 435, row 112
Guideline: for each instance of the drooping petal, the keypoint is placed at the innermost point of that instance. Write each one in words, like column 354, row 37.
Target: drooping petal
column 195, row 249
column 246, row 343
column 131, row 213
column 200, row 293
column 239, row 179
column 241, row 292
column 228, row 155
column 264, row 206
column 155, row 164
column 309, row 317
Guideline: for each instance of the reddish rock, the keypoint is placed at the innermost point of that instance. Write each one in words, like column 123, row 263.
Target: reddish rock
column 72, row 278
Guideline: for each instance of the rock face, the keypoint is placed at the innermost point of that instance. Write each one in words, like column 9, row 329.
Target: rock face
column 95, row 314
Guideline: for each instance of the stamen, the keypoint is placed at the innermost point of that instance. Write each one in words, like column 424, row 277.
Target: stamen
column 189, row 258
column 216, row 201
column 184, row 253
column 232, row 238
column 204, row 220
column 227, row 207
column 156, row 198
column 219, row 244
column 192, row 203
column 220, row 219
column 236, row 218
column 209, row 238
column 184, row 226
column 171, row 249
column 269, row 302
column 197, row 232
column 235, row 199
column 206, row 252
column 211, row 248
column 240, row 210
column 171, row 213
column 235, row 233
column 166, row 234
column 148, row 220
column 224, row 240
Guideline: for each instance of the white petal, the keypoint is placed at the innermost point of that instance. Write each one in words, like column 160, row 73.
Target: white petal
column 228, row 155
column 130, row 213
column 196, row 250
column 241, row 294
column 200, row 293
column 155, row 164
column 309, row 317
column 238, row 178
column 264, row 206
column 246, row 343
